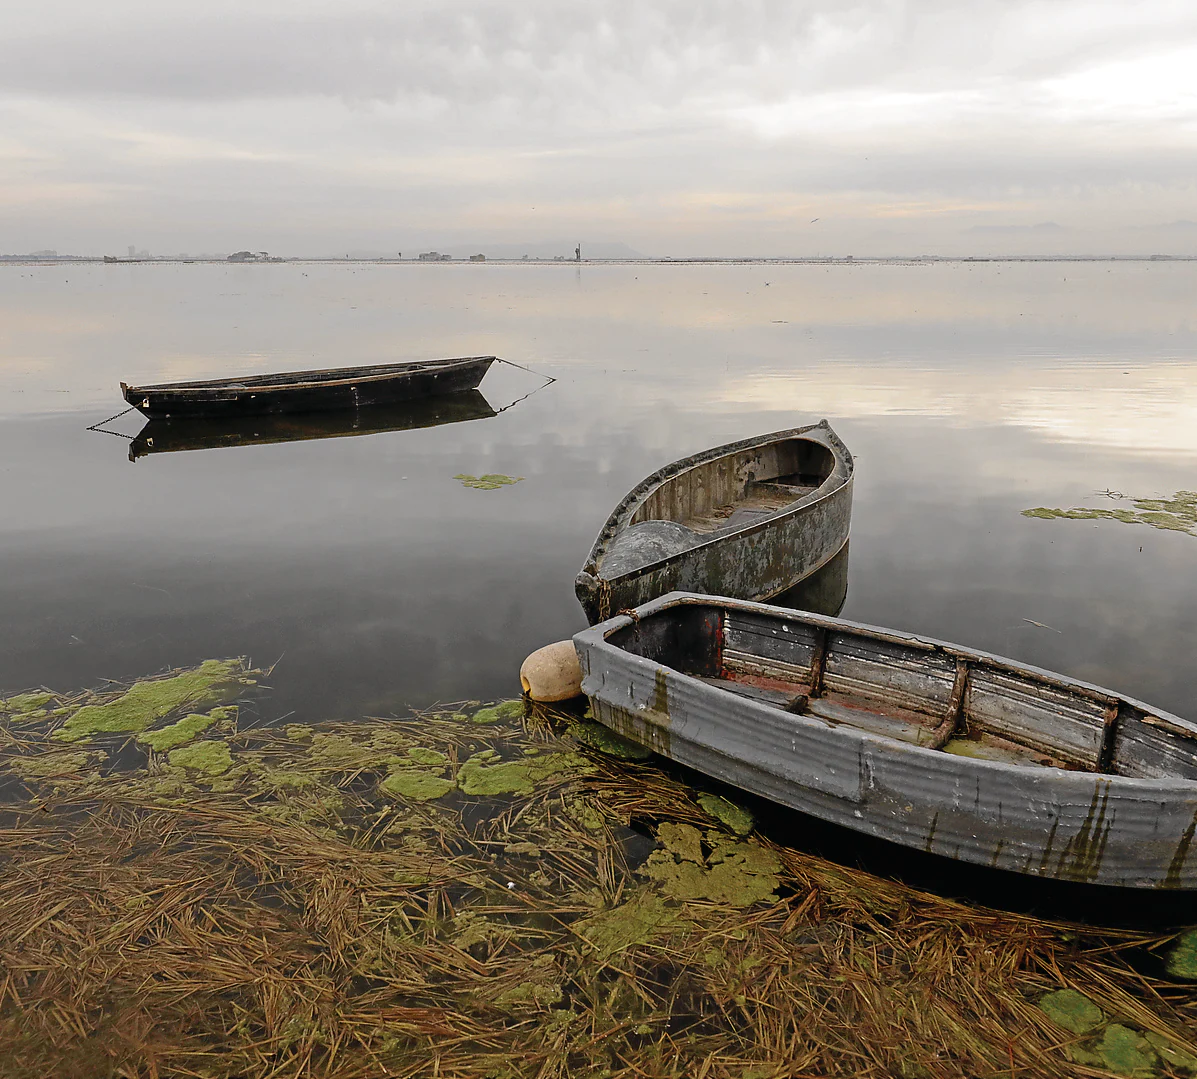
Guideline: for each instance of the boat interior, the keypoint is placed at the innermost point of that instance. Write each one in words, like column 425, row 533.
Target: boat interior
column 739, row 488
column 721, row 495
column 914, row 692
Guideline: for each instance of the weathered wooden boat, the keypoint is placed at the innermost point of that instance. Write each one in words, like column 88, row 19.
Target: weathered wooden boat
column 309, row 391
column 749, row 519
column 205, row 433
column 912, row 740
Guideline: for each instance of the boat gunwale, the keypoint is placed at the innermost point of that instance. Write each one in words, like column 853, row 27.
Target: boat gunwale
column 381, row 372
column 626, row 508
column 596, row 637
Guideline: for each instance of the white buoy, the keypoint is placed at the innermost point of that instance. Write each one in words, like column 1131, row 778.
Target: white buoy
column 552, row 673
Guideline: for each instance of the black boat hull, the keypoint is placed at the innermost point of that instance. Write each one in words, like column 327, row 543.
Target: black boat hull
column 309, row 391
column 204, row 433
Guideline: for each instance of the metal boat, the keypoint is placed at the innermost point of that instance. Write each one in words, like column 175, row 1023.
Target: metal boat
column 913, row 740
column 750, row 519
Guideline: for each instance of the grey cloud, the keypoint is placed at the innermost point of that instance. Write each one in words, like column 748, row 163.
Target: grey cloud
column 478, row 51
column 420, row 118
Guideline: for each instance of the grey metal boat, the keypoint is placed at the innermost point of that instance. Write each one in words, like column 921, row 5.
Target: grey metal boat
column 749, row 519
column 912, row 740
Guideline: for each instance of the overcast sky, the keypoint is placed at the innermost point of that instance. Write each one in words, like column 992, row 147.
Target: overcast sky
column 683, row 127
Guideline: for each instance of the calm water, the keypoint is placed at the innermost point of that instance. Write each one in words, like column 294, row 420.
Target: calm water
column 967, row 393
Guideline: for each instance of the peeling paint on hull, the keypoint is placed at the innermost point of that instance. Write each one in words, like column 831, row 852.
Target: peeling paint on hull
column 1129, row 826
column 758, row 559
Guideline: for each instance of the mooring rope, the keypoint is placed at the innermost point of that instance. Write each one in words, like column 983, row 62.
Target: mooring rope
column 99, row 427
column 550, row 378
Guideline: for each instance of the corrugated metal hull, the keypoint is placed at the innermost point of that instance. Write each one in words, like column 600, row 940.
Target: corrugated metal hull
column 1047, row 822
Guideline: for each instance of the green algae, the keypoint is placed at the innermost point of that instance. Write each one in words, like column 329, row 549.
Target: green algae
column 492, row 481
column 471, row 928
column 641, row 919
column 1171, row 1055
column 421, row 755
column 482, row 774
column 144, row 703
column 1122, row 1050
column 1072, row 1011
column 51, row 765
column 211, row 758
column 24, row 703
column 512, row 709
column 682, row 840
column 298, row 732
column 736, row 874
column 1182, row 959
column 738, row 819
column 605, row 740
column 416, row 785
column 1176, row 514
column 184, row 730
column 584, row 812
column 539, row 987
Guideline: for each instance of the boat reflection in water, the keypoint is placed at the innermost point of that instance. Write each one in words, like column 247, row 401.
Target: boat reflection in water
column 172, row 436
column 824, row 592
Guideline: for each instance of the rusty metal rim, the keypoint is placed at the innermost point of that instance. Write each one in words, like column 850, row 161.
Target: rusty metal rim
column 596, row 637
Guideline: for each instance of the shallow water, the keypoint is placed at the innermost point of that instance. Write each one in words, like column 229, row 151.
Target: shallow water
column 968, row 393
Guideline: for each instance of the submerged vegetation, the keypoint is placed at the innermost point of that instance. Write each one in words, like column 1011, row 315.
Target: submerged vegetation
column 1175, row 514
column 476, row 892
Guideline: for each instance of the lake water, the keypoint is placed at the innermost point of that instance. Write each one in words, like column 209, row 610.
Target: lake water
column 967, row 392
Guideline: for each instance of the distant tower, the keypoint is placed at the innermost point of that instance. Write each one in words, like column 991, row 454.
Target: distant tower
column 578, row 253
column 132, row 251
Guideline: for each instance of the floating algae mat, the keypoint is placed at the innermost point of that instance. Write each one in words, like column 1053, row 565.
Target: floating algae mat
column 480, row 893
column 1175, row 514
column 492, row 481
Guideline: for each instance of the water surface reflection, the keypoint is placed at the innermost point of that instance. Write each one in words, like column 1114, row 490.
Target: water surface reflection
column 967, row 394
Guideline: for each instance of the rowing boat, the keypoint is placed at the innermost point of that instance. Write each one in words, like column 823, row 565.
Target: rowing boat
column 309, row 391
column 750, row 519
column 206, row 433
column 912, row 740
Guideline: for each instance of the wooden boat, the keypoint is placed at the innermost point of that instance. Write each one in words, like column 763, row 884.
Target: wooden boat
column 912, row 740
column 309, row 391
column 205, row 433
column 750, row 519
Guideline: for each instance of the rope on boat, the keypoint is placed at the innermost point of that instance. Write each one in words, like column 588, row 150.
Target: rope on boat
column 550, row 378
column 549, row 381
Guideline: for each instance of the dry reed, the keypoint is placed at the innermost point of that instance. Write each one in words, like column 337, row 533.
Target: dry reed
column 288, row 914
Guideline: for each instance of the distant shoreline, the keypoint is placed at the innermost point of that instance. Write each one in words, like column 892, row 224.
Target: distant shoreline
column 813, row 260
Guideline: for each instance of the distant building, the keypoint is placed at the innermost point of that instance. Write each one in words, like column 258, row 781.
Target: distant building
column 434, row 256
column 477, row 258
column 132, row 251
